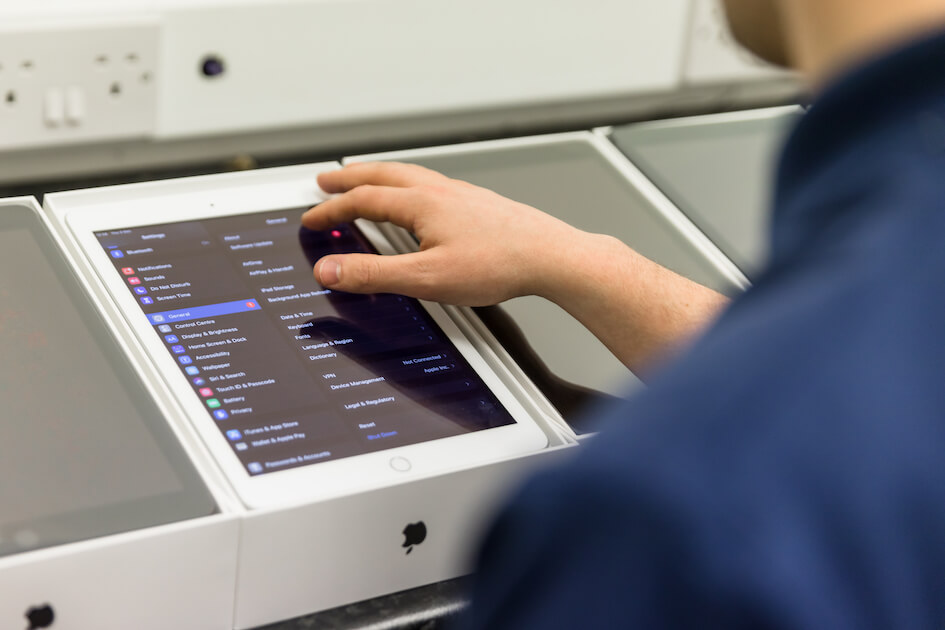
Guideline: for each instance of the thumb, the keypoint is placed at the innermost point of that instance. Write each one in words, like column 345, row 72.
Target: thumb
column 371, row 273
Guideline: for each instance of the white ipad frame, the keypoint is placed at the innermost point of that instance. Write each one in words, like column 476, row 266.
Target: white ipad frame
column 221, row 196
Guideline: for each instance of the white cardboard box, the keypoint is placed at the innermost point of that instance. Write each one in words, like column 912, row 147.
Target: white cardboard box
column 179, row 575
column 305, row 557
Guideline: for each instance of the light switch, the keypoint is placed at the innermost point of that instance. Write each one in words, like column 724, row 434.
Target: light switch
column 54, row 107
column 75, row 105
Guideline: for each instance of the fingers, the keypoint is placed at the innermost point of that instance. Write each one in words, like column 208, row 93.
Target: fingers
column 376, row 203
column 407, row 274
column 377, row 174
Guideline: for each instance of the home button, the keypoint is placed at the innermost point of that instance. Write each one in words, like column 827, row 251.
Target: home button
column 400, row 464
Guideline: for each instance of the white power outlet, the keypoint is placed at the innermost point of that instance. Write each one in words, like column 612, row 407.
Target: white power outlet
column 713, row 55
column 81, row 81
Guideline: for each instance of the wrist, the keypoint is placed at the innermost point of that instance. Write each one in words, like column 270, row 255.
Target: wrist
column 585, row 266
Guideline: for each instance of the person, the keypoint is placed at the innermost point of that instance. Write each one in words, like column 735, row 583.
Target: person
column 787, row 470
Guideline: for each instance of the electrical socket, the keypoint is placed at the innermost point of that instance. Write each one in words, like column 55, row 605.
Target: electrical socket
column 713, row 55
column 77, row 81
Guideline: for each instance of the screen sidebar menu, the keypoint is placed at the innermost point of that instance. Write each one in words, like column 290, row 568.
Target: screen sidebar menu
column 291, row 372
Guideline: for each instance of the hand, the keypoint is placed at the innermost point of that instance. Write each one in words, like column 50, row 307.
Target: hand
column 476, row 247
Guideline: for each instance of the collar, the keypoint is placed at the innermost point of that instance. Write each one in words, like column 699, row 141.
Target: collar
column 853, row 134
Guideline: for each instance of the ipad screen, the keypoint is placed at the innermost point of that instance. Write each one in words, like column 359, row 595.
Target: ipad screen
column 84, row 450
column 292, row 373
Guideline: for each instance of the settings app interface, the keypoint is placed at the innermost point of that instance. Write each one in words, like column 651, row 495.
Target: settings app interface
column 291, row 372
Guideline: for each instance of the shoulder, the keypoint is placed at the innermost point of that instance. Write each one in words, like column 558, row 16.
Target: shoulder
column 778, row 462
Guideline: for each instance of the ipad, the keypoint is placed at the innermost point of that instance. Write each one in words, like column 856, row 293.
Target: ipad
column 301, row 392
column 85, row 450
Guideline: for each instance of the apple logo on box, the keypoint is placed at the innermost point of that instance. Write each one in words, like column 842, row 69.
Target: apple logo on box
column 40, row 617
column 414, row 534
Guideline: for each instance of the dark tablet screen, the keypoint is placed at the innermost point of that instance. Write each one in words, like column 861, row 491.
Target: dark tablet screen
column 84, row 451
column 294, row 374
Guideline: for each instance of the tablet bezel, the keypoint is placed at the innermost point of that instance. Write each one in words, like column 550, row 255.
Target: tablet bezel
column 193, row 499
column 321, row 480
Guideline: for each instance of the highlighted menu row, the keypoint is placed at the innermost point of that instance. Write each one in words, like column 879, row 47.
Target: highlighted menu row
column 210, row 310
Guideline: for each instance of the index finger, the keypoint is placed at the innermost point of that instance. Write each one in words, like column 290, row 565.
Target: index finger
column 393, row 174
column 377, row 203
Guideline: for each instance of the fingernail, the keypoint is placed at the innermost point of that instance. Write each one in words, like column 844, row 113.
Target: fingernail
column 329, row 273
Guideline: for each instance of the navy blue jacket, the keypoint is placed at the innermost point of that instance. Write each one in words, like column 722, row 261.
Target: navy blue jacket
column 789, row 471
